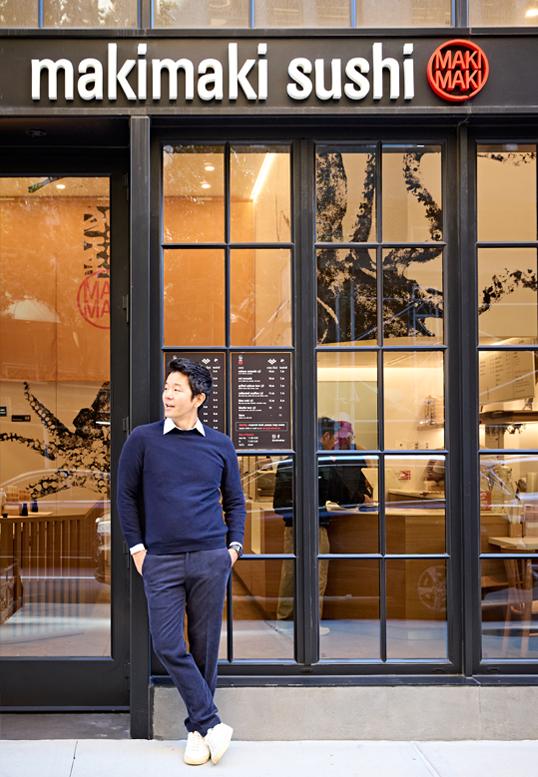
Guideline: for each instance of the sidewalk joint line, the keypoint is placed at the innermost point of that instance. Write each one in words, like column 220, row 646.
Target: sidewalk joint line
column 426, row 761
column 74, row 758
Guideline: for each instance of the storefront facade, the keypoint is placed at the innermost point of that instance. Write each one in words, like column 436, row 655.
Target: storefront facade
column 343, row 225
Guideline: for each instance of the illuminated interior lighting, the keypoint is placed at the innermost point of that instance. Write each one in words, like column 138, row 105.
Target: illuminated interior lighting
column 206, row 185
column 262, row 176
column 208, row 167
column 532, row 12
column 60, row 185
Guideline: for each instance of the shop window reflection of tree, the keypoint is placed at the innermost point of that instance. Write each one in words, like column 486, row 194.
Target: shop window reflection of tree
column 347, row 290
column 100, row 13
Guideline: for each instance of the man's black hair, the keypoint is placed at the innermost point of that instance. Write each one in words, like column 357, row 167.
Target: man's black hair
column 200, row 380
column 326, row 425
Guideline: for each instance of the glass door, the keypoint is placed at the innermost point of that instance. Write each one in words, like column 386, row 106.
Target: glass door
column 58, row 399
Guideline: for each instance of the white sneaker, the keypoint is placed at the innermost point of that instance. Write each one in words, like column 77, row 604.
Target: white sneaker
column 196, row 752
column 218, row 740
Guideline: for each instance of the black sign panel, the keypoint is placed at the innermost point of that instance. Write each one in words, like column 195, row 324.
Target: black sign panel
column 263, row 75
column 213, row 411
column 3, row 411
column 19, row 418
column 261, row 400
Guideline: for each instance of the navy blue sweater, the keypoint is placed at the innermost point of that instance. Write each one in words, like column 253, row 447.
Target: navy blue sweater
column 169, row 489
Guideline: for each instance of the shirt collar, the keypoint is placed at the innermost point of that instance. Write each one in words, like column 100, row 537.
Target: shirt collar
column 169, row 425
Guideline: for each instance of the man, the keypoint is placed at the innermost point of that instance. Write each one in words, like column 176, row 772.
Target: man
column 172, row 474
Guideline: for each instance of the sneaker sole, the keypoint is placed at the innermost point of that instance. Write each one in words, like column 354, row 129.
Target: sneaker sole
column 216, row 758
column 196, row 763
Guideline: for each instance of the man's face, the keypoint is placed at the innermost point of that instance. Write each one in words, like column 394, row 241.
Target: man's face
column 328, row 441
column 178, row 400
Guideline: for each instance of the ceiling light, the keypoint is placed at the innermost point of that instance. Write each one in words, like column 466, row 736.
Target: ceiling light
column 60, row 185
column 208, row 167
column 532, row 12
column 206, row 185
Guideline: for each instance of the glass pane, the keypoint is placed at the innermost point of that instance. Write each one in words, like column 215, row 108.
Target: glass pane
column 416, row 609
column 347, row 395
column 347, row 496
column 18, row 13
column 88, row 13
column 412, row 204
column 349, row 625
column 193, row 187
column 345, row 194
column 302, row 13
column 502, row 13
column 414, row 400
column 507, row 385
column 55, row 417
column 347, row 297
column 506, row 192
column 510, row 607
column 194, row 308
column 191, row 13
column 260, row 194
column 415, row 504
column 413, row 299
column 508, row 503
column 394, row 13
column 263, row 609
column 507, row 295
column 269, row 492
column 261, row 297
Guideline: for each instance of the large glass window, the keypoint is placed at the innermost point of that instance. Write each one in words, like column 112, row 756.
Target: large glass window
column 503, row 13
column 380, row 359
column 508, row 418
column 55, row 527
column 228, row 304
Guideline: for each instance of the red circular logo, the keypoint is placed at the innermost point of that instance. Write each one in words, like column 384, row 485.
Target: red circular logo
column 457, row 70
column 93, row 299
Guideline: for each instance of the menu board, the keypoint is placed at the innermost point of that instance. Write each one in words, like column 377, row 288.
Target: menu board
column 506, row 375
column 261, row 400
column 213, row 411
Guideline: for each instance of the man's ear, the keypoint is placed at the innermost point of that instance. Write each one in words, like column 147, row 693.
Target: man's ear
column 200, row 399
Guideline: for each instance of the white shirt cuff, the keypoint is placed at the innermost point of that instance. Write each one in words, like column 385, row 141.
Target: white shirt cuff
column 136, row 548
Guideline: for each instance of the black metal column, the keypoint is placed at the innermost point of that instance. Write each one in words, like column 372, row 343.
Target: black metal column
column 139, row 397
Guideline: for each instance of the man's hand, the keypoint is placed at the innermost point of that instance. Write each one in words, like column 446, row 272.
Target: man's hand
column 138, row 559
column 234, row 555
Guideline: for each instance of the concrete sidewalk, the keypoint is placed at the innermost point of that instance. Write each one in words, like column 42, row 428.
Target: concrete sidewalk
column 140, row 758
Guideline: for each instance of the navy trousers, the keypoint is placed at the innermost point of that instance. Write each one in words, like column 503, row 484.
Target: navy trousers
column 192, row 583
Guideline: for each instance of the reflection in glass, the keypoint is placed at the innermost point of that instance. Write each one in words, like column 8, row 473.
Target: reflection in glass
column 185, row 14
column 267, row 483
column 18, row 13
column 508, row 503
column 55, row 528
column 416, row 608
column 347, row 296
column 261, row 297
column 347, row 393
column 414, row 400
column 507, row 385
column 349, row 626
column 506, row 192
column 413, row 296
column 194, row 308
column 502, row 13
column 394, row 13
column 258, row 631
column 345, row 194
column 347, row 496
column 260, row 194
column 507, row 286
column 88, row 13
column 302, row 13
column 193, row 188
column 415, row 504
column 412, row 200
column 510, row 606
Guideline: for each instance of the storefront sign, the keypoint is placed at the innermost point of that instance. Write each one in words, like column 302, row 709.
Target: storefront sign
column 213, row 75
column 261, row 400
